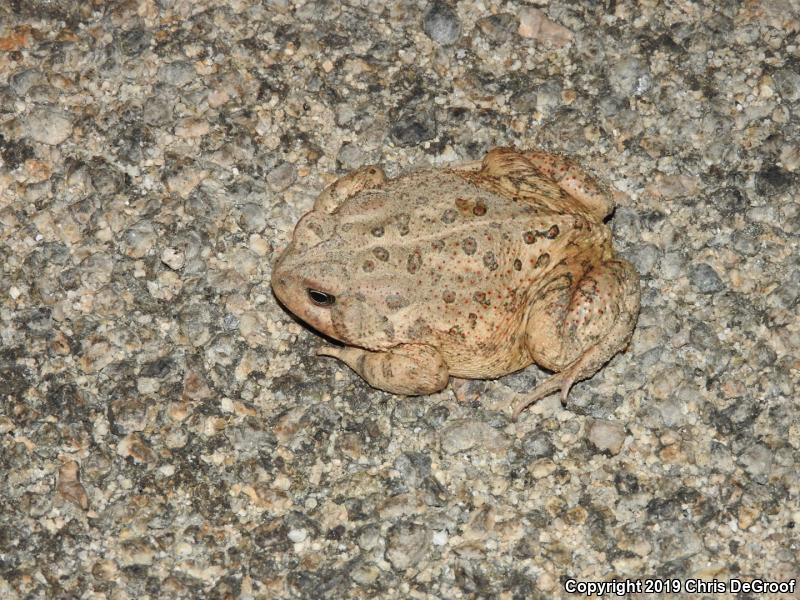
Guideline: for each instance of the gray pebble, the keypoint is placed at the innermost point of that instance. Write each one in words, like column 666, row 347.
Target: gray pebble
column 369, row 537
column 645, row 258
column 194, row 320
column 672, row 265
column 139, row 239
column 95, row 270
column 703, row 337
column 757, row 461
column 48, row 126
column 178, row 73
column 671, row 410
column 22, row 81
column 406, row 545
column 787, row 82
column 548, row 96
column 441, row 23
column 465, row 434
column 281, row 177
column 351, row 157
column 629, row 76
column 536, row 444
column 157, row 111
column 252, row 217
column 705, row 279
column 607, row 436
column 128, row 413
column 413, row 126
column 498, row 28
column 524, row 101
column 744, row 241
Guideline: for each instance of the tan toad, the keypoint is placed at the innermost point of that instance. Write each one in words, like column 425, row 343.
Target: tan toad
column 473, row 271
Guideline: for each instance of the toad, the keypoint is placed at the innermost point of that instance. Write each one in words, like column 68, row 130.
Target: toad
column 474, row 271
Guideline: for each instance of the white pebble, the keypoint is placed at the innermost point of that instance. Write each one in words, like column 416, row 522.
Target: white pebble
column 298, row 535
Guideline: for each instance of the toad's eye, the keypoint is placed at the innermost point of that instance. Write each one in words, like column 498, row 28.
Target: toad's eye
column 321, row 298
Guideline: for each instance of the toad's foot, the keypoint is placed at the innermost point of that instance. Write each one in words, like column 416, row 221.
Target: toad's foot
column 560, row 381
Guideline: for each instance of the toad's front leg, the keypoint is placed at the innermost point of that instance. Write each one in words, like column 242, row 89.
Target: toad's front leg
column 408, row 369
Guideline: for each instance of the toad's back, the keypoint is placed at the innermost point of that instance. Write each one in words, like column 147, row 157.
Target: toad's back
column 453, row 262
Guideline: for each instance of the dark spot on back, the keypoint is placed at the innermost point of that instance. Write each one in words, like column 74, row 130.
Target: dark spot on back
column 529, row 237
column 517, row 264
column 402, row 223
column 553, row 232
column 469, row 245
column 419, row 329
column 448, row 216
column 395, row 301
column 377, row 231
column 316, row 228
column 381, row 253
column 414, row 262
column 449, row 297
column 462, row 203
column 489, row 261
column 437, row 245
column 479, row 210
column 368, row 266
column 543, row 261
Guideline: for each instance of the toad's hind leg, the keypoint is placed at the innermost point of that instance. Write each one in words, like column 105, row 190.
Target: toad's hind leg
column 345, row 187
column 408, row 369
column 574, row 181
column 575, row 327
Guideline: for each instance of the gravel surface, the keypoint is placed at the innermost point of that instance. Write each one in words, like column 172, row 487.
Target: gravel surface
column 165, row 429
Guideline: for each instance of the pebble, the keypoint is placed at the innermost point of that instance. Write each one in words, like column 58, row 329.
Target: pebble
column 440, row 538
column 645, row 258
column 351, row 157
column 365, row 575
column 24, row 80
column 704, row 279
column 441, row 23
column 534, row 23
column 139, row 239
column 787, row 82
column 413, row 126
column 499, row 28
column 464, row 434
column 282, row 176
column 178, row 73
column 629, row 76
column 757, row 461
column 537, row 444
column 69, row 485
column 406, row 545
column 298, row 535
column 174, row 259
column 48, row 126
column 607, row 436
column 252, row 218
